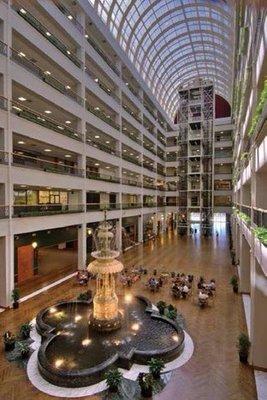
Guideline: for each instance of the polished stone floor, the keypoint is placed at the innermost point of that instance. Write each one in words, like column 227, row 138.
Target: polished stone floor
column 214, row 372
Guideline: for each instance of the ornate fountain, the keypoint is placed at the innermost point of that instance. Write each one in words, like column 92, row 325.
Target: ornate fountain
column 81, row 340
column 106, row 315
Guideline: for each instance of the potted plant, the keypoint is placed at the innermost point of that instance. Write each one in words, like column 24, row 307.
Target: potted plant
column 25, row 330
column 234, row 283
column 113, row 379
column 146, row 383
column 9, row 341
column 171, row 312
column 24, row 349
column 15, row 295
column 156, row 365
column 243, row 346
column 161, row 305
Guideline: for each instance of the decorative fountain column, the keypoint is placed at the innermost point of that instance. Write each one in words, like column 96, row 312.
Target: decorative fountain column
column 106, row 315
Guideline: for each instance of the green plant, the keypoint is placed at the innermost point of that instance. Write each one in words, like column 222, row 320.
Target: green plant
column 171, row 308
column 24, row 349
column 234, row 283
column 259, row 108
column 84, row 296
column 243, row 346
column 261, row 233
column 161, row 305
column 146, row 382
column 113, row 379
column 25, row 330
column 156, row 365
column 172, row 314
column 15, row 295
column 9, row 341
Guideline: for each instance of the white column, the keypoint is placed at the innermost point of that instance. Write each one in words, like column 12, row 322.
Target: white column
column 140, row 228
column 82, row 250
column 244, row 265
column 119, row 234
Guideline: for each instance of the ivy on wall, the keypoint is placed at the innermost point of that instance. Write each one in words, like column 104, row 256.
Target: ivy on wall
column 259, row 108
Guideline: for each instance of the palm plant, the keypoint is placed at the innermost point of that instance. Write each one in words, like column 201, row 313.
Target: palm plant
column 113, row 379
column 243, row 346
column 25, row 330
column 156, row 365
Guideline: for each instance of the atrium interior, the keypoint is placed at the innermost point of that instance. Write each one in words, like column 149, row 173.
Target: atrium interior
column 133, row 201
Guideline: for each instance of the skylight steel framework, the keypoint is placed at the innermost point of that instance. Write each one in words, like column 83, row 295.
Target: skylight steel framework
column 170, row 42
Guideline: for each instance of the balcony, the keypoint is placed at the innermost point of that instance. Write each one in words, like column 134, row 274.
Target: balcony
column 47, row 122
column 44, row 76
column 4, row 211
column 126, row 206
column 3, row 103
column 150, row 167
column 67, row 13
column 131, row 160
column 154, row 204
column 147, row 185
column 36, row 24
column 260, row 217
column 102, row 54
column 103, row 86
column 103, row 147
column 132, row 114
column 131, row 182
column 3, row 48
column 131, row 136
column 100, row 114
column 38, row 210
column 102, row 207
column 47, row 166
column 102, row 177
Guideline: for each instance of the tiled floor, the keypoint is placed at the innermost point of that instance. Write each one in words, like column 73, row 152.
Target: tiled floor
column 213, row 372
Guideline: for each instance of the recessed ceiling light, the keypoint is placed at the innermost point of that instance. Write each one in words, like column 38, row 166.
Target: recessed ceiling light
column 221, row 148
column 96, row 79
column 108, row 167
column 21, row 98
column 47, row 73
column 47, row 150
column 41, row 119
column 67, row 87
column 48, row 112
column 124, row 151
column 16, row 108
column 21, row 142
column 48, row 34
column 68, row 122
column 60, row 127
column 20, row 153
column 86, row 36
column 96, row 164
column 96, row 108
column 131, row 154
column 22, row 54
column 23, row 11
column 70, row 17
column 97, row 136
column 68, row 155
column 68, row 52
column 107, row 141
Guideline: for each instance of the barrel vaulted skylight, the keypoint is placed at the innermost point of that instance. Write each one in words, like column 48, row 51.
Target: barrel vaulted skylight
column 171, row 42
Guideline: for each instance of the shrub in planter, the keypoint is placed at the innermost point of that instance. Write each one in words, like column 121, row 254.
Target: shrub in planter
column 146, row 383
column 156, row 365
column 25, row 330
column 24, row 349
column 113, row 379
column 9, row 341
column 243, row 346
column 234, row 283
column 161, row 305
column 15, row 295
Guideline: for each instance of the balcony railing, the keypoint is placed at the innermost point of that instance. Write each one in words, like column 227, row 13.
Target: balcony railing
column 44, row 165
column 147, row 185
column 102, row 206
column 3, row 157
column 132, row 160
column 36, row 24
column 41, row 119
column 3, row 48
column 103, row 147
column 131, row 182
column 103, row 86
column 3, row 103
column 149, row 204
column 4, row 211
column 37, row 210
column 103, row 55
column 132, row 113
column 149, row 109
column 260, row 217
column 150, row 167
column 126, row 206
column 136, row 139
column 100, row 114
column 47, row 78
column 69, row 15
column 102, row 177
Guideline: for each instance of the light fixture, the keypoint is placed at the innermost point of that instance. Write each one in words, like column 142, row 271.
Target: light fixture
column 70, row 17
column 108, row 167
column 22, row 54
column 97, row 108
column 21, row 142
column 59, row 362
column 97, row 136
column 107, row 141
column 86, row 36
column 67, row 155
column 47, row 150
column 96, row 164
column 48, row 112
column 68, row 52
column 34, row 245
column 86, row 342
column 89, row 231
column 77, row 318
column 60, row 127
column 48, row 34
column 67, row 122
column 16, row 108
column 47, row 73
column 21, row 98
column 22, row 11
column 96, row 79
column 67, row 87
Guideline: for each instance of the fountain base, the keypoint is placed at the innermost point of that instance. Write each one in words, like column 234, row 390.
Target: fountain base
column 101, row 325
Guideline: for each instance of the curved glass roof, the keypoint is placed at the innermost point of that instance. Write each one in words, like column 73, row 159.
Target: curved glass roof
column 171, row 42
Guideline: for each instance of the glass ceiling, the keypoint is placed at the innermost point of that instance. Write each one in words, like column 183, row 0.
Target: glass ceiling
column 171, row 42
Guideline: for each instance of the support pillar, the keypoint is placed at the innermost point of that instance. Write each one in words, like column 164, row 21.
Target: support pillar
column 119, row 235
column 140, row 228
column 244, row 265
column 82, row 248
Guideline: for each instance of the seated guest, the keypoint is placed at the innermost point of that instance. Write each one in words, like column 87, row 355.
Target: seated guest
column 212, row 284
column 202, row 298
column 185, row 291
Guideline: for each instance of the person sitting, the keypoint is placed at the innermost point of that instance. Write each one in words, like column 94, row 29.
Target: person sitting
column 201, row 283
column 83, row 277
column 202, row 298
column 212, row 284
